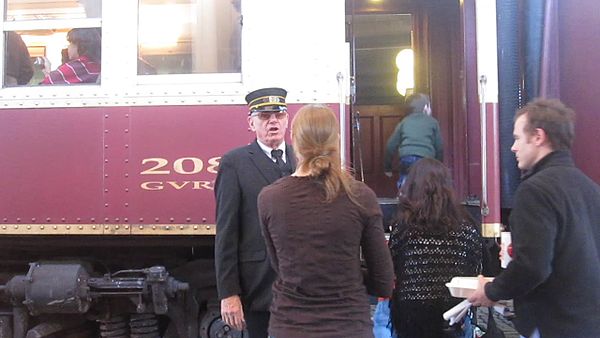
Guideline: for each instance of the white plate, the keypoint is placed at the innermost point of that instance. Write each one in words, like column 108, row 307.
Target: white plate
column 462, row 287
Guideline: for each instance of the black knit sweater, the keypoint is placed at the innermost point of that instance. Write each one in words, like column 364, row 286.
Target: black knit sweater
column 423, row 264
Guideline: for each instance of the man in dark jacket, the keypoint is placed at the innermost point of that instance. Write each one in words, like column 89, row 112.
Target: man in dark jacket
column 244, row 273
column 555, row 272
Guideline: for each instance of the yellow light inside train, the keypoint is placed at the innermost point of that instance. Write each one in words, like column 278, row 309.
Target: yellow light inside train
column 405, row 63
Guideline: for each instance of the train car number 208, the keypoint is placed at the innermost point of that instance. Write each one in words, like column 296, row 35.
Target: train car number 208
column 181, row 166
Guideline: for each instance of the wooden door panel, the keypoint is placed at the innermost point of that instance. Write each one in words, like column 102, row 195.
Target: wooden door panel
column 377, row 122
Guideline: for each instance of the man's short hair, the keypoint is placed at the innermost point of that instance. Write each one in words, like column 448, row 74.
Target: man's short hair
column 552, row 116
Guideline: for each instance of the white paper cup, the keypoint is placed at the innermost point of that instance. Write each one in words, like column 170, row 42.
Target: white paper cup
column 505, row 241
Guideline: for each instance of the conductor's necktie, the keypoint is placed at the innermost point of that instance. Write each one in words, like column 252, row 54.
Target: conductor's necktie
column 277, row 154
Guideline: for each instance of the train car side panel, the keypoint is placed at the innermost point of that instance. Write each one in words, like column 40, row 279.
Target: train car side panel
column 51, row 164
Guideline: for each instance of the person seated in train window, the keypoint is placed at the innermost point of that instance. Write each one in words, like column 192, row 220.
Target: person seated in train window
column 433, row 240
column 84, row 59
column 18, row 67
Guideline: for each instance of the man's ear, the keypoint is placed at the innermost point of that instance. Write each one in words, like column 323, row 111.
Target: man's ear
column 251, row 124
column 540, row 137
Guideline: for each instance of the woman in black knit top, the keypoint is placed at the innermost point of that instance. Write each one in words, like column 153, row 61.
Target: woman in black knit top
column 434, row 240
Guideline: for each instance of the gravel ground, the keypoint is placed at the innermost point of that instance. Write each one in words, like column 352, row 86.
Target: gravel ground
column 503, row 322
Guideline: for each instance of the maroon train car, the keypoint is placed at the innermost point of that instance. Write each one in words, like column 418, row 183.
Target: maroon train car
column 108, row 215
column 107, row 211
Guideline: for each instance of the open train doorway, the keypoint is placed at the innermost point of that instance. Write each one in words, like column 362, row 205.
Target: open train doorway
column 399, row 48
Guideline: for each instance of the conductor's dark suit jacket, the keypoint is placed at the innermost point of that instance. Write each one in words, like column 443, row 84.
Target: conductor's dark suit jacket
column 241, row 262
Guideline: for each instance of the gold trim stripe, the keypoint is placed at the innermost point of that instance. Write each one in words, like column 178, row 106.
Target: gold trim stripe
column 268, row 104
column 108, row 229
column 267, row 97
column 491, row 230
column 266, row 101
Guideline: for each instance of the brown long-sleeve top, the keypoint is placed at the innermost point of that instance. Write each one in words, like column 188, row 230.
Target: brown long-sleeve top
column 320, row 289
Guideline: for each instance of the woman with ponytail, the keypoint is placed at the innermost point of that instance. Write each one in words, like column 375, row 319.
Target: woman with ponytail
column 316, row 224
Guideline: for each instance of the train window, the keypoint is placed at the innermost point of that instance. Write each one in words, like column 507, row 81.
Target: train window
column 51, row 42
column 189, row 37
column 175, row 42
column 384, row 69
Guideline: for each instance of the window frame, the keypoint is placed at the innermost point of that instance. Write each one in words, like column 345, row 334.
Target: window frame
column 119, row 78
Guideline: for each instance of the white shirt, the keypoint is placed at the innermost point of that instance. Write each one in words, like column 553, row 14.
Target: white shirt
column 267, row 150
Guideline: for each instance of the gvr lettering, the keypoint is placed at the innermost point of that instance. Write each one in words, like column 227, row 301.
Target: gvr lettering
column 182, row 166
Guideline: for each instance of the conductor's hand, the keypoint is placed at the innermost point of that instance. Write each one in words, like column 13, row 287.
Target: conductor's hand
column 232, row 312
column 388, row 174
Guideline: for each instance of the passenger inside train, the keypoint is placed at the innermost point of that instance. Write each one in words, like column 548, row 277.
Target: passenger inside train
column 18, row 68
column 84, row 59
column 175, row 51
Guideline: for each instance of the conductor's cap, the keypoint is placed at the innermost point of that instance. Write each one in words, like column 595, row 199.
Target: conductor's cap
column 266, row 100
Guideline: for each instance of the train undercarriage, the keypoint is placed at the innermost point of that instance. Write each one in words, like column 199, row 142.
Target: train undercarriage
column 110, row 291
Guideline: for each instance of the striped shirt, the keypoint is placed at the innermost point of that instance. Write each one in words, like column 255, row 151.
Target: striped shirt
column 80, row 70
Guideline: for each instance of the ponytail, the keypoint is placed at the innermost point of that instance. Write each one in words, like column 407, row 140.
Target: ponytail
column 315, row 136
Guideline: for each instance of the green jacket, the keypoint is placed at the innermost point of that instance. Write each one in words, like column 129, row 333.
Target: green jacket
column 417, row 134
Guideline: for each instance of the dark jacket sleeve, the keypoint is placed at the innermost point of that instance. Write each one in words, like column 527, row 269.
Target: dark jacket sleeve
column 228, row 195
column 380, row 275
column 534, row 226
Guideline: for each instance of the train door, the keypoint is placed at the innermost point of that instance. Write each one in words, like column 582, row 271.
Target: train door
column 399, row 48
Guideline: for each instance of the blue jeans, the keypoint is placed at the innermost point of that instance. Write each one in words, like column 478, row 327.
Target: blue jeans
column 405, row 163
column 382, row 327
column 535, row 334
